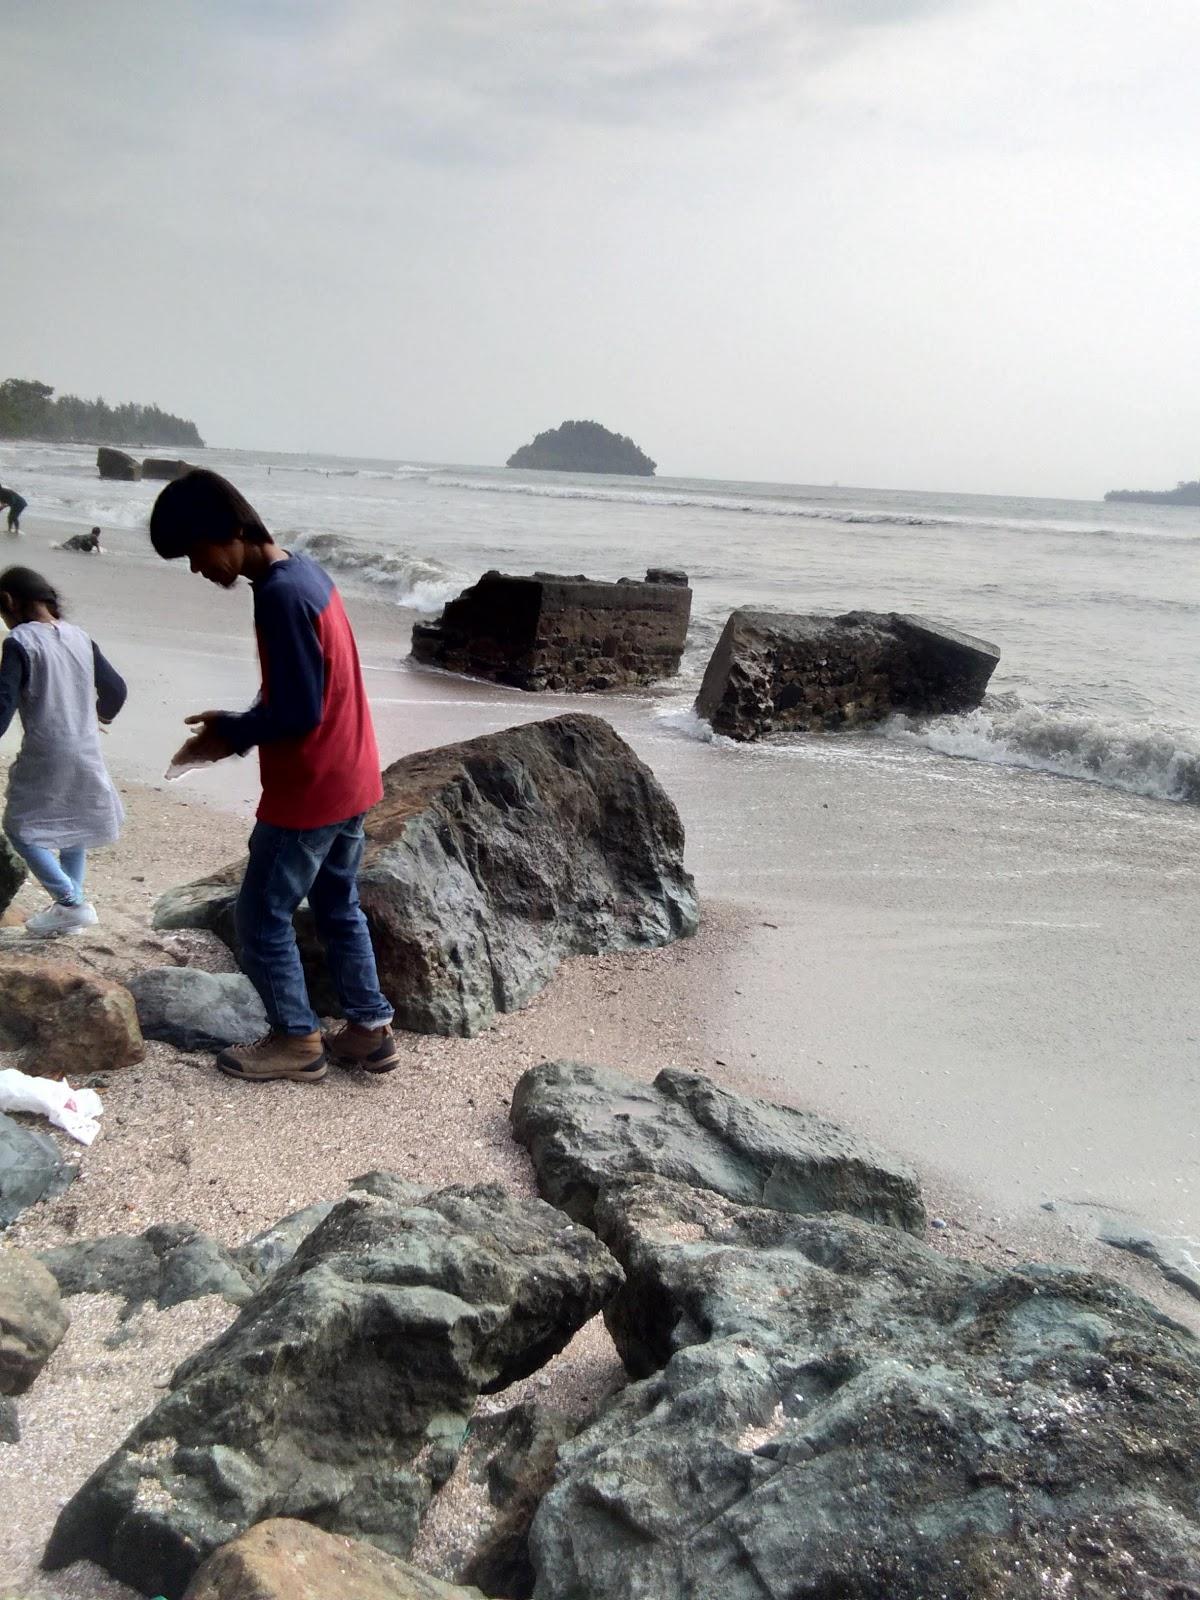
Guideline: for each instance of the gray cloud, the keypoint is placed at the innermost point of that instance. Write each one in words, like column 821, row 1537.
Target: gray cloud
column 488, row 79
column 937, row 242
column 438, row 83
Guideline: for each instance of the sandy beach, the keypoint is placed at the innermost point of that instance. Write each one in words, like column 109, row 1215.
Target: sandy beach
column 896, row 967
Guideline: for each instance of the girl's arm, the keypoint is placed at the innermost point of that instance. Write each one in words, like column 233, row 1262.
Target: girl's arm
column 14, row 674
column 111, row 691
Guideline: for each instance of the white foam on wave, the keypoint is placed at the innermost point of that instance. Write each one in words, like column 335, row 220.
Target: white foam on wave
column 700, row 502
column 1158, row 763
column 1161, row 763
column 415, row 583
column 688, row 723
column 116, row 509
column 397, row 474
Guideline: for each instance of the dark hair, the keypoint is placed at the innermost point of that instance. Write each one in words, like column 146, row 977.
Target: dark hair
column 202, row 507
column 29, row 588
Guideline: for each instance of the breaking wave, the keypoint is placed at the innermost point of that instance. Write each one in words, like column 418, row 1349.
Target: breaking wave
column 700, row 502
column 1161, row 763
column 1158, row 763
column 127, row 505
column 397, row 474
column 417, row 583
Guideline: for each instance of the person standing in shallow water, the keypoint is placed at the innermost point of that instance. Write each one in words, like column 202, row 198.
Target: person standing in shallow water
column 61, row 802
column 16, row 504
column 320, row 774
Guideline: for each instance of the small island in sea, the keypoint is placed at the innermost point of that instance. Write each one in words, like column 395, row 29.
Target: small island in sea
column 1183, row 494
column 28, row 410
column 583, row 447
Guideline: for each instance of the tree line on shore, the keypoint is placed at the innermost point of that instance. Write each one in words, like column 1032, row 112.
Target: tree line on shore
column 1183, row 494
column 28, row 410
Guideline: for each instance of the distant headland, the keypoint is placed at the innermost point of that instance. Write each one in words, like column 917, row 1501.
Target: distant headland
column 29, row 411
column 583, row 447
column 1183, row 494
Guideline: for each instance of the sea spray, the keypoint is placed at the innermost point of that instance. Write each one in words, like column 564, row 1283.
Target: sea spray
column 416, row 583
column 1159, row 762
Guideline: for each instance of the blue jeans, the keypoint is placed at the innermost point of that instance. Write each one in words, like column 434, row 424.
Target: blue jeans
column 59, row 873
column 286, row 865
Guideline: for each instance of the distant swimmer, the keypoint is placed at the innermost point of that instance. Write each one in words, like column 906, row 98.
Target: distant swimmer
column 88, row 543
column 15, row 504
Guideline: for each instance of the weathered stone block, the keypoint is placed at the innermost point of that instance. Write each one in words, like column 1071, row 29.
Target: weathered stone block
column 772, row 672
column 164, row 467
column 551, row 632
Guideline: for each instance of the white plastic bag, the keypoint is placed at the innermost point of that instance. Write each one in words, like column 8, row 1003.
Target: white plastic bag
column 180, row 769
column 75, row 1111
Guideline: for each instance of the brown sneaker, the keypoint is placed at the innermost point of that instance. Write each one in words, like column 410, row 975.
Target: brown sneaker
column 279, row 1055
column 372, row 1049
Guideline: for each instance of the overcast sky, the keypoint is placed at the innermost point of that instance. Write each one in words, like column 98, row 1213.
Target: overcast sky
column 914, row 243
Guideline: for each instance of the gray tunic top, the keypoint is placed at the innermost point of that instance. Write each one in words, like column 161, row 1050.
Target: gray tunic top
column 60, row 795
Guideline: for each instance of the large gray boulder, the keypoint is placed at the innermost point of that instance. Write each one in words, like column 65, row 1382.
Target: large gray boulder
column 342, row 1392
column 196, row 1010
column 31, row 1169
column 772, row 672
column 832, row 1409
column 13, row 873
column 586, row 1127
column 490, row 861
column 118, row 464
column 32, row 1319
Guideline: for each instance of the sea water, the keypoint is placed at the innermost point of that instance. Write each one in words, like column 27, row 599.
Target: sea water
column 1094, row 606
column 973, row 937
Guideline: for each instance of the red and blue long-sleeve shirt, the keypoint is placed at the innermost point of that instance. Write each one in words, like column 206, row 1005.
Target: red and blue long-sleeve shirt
column 312, row 724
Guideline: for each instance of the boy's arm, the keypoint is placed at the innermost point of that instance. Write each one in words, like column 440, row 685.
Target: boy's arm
column 14, row 671
column 293, row 669
column 111, row 691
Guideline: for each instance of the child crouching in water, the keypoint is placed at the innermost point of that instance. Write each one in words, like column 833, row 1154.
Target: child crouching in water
column 61, row 801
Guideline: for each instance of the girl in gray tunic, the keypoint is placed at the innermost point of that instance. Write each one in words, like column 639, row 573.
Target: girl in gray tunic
column 61, row 801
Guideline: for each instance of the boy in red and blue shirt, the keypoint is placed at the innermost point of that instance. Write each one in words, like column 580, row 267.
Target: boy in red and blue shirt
column 320, row 774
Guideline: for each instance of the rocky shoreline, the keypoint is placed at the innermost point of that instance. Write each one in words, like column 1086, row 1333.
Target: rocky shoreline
column 796, row 1393
column 813, row 1403
column 675, row 1128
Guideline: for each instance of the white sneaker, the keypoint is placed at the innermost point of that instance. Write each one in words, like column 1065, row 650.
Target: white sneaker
column 59, row 918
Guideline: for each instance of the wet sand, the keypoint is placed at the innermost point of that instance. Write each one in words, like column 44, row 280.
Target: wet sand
column 990, row 972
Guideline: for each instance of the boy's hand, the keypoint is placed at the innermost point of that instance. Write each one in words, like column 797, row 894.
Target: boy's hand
column 204, row 745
